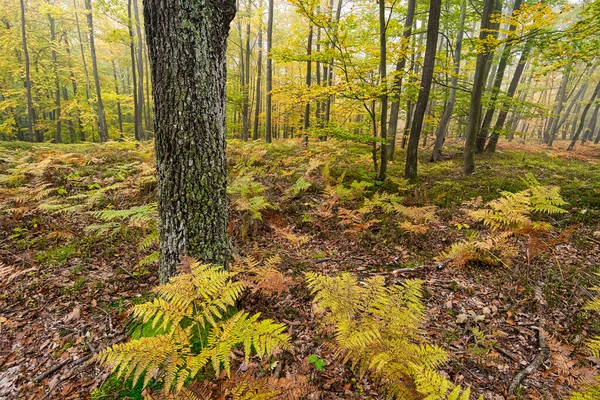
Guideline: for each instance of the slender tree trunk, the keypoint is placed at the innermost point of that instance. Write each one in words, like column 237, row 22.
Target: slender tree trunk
column 102, row 127
column 30, row 110
column 442, row 129
column 189, row 73
column 477, row 92
column 269, row 88
column 329, row 71
column 560, row 98
column 57, row 94
column 512, row 88
column 88, row 87
column 72, row 135
column 245, row 109
column 142, row 110
column 592, row 127
column 66, row 97
column 384, row 96
column 257, row 110
column 308, row 77
column 148, row 105
column 397, row 87
column 318, row 74
column 497, row 85
column 583, row 115
column 137, row 107
column 433, row 25
column 119, row 115
column 565, row 116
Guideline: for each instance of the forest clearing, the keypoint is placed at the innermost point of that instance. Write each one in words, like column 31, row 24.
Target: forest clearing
column 299, row 199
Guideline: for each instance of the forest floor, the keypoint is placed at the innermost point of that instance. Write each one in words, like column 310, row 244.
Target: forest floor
column 69, row 273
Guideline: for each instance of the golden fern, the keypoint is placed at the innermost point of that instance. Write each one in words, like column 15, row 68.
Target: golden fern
column 378, row 329
column 262, row 276
column 510, row 215
column 592, row 392
column 193, row 308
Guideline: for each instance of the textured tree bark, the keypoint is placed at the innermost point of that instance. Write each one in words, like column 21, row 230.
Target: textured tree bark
column 257, row 110
column 102, row 127
column 477, row 92
column 397, row 87
column 30, row 110
column 433, row 25
column 583, row 115
column 384, row 95
column 512, row 88
column 269, row 80
column 57, row 94
column 187, row 42
column 440, row 134
column 137, row 111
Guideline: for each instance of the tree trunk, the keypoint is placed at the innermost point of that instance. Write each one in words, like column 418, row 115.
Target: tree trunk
column 119, row 115
column 257, row 110
column 88, row 87
column 57, row 94
column 102, row 127
column 560, row 98
column 384, row 96
column 433, row 25
column 137, row 107
column 442, row 129
column 328, row 76
column 269, row 88
column 397, row 88
column 592, row 128
column 308, row 77
column 72, row 136
column 246, row 88
column 512, row 88
column 583, row 115
column 580, row 93
column 189, row 74
column 477, row 91
column 66, row 97
column 497, row 85
column 30, row 111
column 140, row 72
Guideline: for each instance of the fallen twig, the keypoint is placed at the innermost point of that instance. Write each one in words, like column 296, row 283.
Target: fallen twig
column 537, row 361
column 58, row 366
column 438, row 266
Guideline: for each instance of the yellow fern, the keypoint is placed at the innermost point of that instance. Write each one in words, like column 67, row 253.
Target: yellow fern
column 193, row 308
column 378, row 329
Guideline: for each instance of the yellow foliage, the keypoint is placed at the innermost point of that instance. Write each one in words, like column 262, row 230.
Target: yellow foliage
column 378, row 329
column 195, row 307
column 508, row 216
